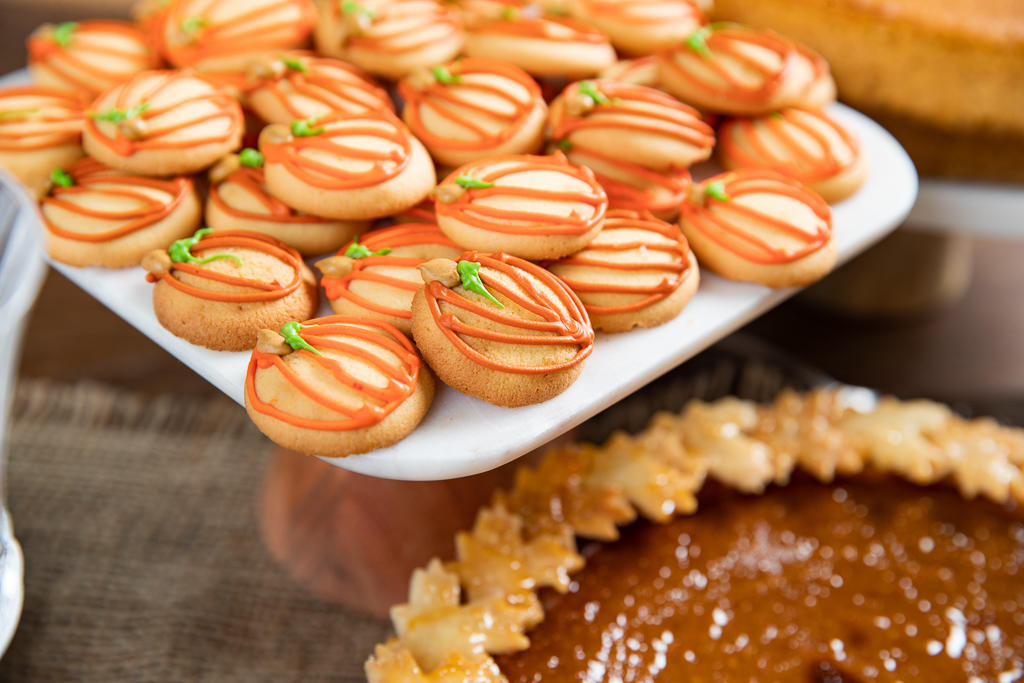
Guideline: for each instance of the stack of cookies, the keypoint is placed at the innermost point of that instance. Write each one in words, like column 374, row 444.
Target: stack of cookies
column 219, row 146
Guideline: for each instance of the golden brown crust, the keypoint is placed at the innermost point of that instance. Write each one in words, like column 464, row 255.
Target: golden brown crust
column 598, row 488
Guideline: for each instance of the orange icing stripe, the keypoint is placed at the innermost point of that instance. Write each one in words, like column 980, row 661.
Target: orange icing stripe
column 637, row 70
column 377, row 402
column 569, row 330
column 526, row 26
column 627, row 12
column 31, row 130
column 411, row 234
column 242, row 239
column 386, row 165
column 684, row 121
column 441, row 97
column 251, row 181
column 226, row 107
column 622, row 195
column 67, row 63
column 725, row 41
column 530, row 223
column 798, row 161
column 90, row 178
column 406, row 18
column 421, row 213
column 653, row 293
column 224, row 39
column 717, row 228
column 358, row 93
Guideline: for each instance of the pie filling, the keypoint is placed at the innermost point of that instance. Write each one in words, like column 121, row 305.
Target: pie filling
column 849, row 582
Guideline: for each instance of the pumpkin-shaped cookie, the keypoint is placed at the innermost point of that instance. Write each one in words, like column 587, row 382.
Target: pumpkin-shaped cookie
column 533, row 207
column 640, row 28
column 631, row 123
column 377, row 274
column 639, row 71
column 336, row 386
column 805, row 144
column 163, row 123
column 219, row 290
column 96, row 216
column 224, row 36
column 389, row 38
column 472, row 108
column 500, row 328
column 294, row 85
column 40, row 130
column 760, row 226
column 638, row 272
column 736, row 70
column 347, row 166
column 88, row 56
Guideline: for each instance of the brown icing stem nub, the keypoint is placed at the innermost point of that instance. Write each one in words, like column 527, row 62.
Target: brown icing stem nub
column 157, row 262
column 134, row 129
column 335, row 266
column 43, row 31
column 223, row 168
column 265, row 68
column 697, row 196
column 355, row 24
column 275, row 134
column 268, row 341
column 448, row 194
column 420, row 78
column 579, row 104
column 442, row 270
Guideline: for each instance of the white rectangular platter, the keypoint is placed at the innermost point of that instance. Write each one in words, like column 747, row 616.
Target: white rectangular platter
column 462, row 435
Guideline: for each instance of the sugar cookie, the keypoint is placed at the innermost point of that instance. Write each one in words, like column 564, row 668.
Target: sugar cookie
column 479, row 325
column 219, row 290
column 640, row 28
column 760, row 226
column 533, row 207
column 294, row 85
column 40, row 130
column 472, row 108
column 347, row 166
column 806, row 144
column 389, row 38
column 736, row 70
column 377, row 275
column 639, row 71
column 239, row 200
column 88, row 57
column 631, row 123
column 541, row 45
column 95, row 216
column 224, row 36
column 336, row 386
column 163, row 123
column 631, row 186
column 638, row 272
column 421, row 213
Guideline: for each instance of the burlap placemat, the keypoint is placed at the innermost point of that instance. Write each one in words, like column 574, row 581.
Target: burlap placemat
column 143, row 559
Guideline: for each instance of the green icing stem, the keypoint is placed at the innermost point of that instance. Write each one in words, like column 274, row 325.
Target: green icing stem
column 294, row 63
column 62, row 33
column 290, row 332
column 60, row 177
column 471, row 183
column 119, row 115
column 716, row 190
column 353, row 7
column 193, row 24
column 469, row 271
column 181, row 250
column 357, row 251
column 590, row 90
column 251, row 158
column 443, row 75
column 305, row 129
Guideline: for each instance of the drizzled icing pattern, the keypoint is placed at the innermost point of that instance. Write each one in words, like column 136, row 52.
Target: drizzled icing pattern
column 500, row 171
column 333, row 338
column 368, row 269
column 97, row 55
column 607, row 246
column 734, row 62
column 630, row 108
column 636, row 188
column 344, row 137
column 563, row 319
column 179, row 111
column 806, row 144
column 222, row 34
column 152, row 201
column 34, row 118
column 722, row 220
column 641, row 12
column 321, row 85
column 546, row 27
column 250, row 180
column 401, row 26
column 237, row 239
column 468, row 99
